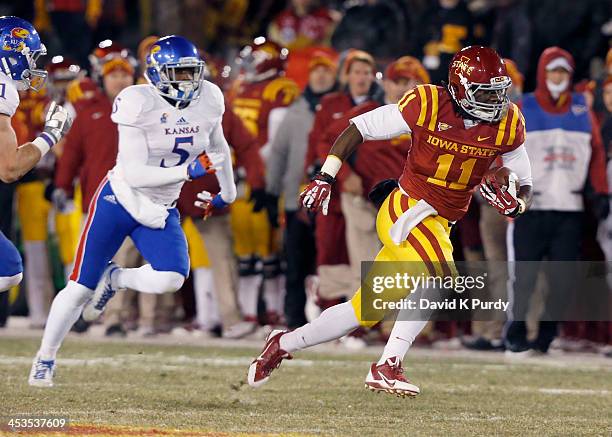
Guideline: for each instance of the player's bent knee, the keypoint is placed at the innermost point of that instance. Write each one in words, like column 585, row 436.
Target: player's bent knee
column 168, row 282
column 8, row 282
column 75, row 293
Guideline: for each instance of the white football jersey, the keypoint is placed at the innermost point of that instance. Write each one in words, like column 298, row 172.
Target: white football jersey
column 9, row 97
column 174, row 136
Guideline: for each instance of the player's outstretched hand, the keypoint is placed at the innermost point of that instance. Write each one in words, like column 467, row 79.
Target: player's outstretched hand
column 206, row 163
column 318, row 192
column 57, row 122
column 209, row 203
column 500, row 197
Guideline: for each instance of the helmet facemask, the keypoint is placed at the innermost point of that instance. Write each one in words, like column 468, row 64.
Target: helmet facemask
column 485, row 101
column 31, row 77
column 172, row 86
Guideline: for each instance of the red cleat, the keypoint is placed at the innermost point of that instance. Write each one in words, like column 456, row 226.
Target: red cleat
column 389, row 378
column 269, row 359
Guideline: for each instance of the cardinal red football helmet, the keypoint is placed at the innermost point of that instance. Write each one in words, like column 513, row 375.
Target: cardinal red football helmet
column 479, row 83
column 262, row 60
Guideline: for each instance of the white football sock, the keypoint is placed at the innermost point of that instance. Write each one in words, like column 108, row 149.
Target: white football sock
column 39, row 288
column 248, row 292
column 333, row 323
column 402, row 336
column 206, row 304
column 147, row 280
column 65, row 310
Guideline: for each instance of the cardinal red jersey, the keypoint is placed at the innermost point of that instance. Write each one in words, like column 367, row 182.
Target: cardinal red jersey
column 448, row 159
column 254, row 101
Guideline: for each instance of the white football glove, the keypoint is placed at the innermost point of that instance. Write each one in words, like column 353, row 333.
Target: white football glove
column 57, row 122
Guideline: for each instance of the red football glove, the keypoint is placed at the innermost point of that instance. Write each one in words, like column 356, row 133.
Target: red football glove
column 318, row 192
column 503, row 199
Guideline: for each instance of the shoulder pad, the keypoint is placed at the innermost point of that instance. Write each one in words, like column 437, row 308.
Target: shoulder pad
column 511, row 130
column 213, row 96
column 130, row 105
column 9, row 97
column 419, row 106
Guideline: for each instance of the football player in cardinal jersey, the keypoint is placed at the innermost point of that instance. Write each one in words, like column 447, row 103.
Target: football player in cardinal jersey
column 457, row 132
column 260, row 101
column 169, row 132
column 20, row 47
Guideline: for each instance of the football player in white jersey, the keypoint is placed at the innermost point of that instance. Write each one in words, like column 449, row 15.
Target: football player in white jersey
column 20, row 47
column 169, row 132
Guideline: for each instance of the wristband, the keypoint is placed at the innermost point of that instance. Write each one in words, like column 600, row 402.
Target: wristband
column 43, row 143
column 332, row 165
column 522, row 206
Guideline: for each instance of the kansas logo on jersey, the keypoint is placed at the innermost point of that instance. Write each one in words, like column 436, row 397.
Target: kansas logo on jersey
column 182, row 130
column 462, row 66
column 15, row 40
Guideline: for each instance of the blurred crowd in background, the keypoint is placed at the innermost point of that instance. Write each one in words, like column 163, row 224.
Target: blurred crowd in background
column 294, row 72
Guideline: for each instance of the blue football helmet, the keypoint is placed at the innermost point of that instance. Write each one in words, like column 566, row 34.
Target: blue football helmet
column 20, row 48
column 169, row 59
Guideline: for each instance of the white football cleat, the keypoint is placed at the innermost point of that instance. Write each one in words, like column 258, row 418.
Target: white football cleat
column 270, row 359
column 389, row 378
column 103, row 293
column 41, row 374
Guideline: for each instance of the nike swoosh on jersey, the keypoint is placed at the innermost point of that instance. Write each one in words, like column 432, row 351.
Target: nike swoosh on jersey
column 483, row 138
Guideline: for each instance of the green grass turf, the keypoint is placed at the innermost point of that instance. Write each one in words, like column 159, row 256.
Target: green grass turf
column 204, row 388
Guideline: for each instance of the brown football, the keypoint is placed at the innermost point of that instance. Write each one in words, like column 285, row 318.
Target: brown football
column 502, row 175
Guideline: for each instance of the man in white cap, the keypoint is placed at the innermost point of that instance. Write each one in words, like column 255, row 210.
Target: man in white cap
column 567, row 160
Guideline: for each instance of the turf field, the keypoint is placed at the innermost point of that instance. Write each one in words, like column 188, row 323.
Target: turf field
column 141, row 388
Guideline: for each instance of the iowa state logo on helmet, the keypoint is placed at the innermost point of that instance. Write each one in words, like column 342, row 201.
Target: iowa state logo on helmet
column 462, row 66
column 15, row 40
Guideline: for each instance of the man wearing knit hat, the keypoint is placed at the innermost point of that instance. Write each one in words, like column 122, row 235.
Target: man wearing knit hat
column 285, row 173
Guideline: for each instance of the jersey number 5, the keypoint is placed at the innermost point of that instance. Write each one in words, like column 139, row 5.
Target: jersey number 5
column 182, row 153
column 444, row 164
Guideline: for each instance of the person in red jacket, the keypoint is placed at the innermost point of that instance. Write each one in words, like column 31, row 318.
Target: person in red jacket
column 375, row 161
column 333, row 269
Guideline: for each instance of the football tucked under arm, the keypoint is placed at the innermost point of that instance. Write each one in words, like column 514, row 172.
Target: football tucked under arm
column 509, row 188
